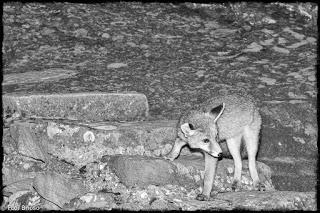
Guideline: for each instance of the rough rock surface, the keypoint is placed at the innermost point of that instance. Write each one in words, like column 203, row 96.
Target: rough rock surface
column 57, row 188
column 186, row 171
column 107, row 192
column 28, row 142
column 82, row 143
column 16, row 180
column 293, row 174
column 277, row 200
column 34, row 76
column 289, row 129
column 143, row 171
column 79, row 106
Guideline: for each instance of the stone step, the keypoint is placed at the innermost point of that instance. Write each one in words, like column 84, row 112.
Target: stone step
column 81, row 143
column 79, row 106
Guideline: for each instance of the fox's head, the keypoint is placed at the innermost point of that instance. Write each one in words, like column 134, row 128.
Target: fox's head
column 205, row 138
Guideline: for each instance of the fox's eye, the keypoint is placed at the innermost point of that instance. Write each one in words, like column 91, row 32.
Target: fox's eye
column 206, row 140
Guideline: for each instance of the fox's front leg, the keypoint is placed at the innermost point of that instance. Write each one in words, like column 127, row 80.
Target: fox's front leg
column 175, row 151
column 209, row 174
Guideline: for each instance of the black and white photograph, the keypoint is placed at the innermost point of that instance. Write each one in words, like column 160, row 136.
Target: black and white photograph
column 159, row 106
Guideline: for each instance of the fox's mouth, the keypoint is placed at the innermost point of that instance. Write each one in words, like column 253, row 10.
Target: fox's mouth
column 219, row 156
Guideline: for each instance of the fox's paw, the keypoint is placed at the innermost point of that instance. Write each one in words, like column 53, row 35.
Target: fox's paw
column 213, row 193
column 202, row 197
column 235, row 185
column 260, row 187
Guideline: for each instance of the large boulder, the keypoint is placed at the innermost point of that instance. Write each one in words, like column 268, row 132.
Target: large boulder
column 143, row 171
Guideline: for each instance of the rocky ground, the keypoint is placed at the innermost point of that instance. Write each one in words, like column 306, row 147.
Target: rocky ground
column 68, row 151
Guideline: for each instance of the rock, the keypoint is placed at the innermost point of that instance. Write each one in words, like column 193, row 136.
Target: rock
column 131, row 44
column 37, row 76
column 80, row 106
column 269, row 20
column 294, row 182
column 57, row 188
column 281, row 122
column 23, row 184
column 117, row 38
column 280, row 50
column 294, row 34
column 160, row 204
column 82, row 143
column 28, row 144
column 277, row 200
column 267, row 42
column 267, row 31
column 116, row 65
column 268, row 81
column 15, row 179
column 143, row 171
column 47, row 31
column 289, row 132
column 105, row 35
column 293, row 174
column 193, row 167
column 11, row 175
column 92, row 201
column 81, row 32
column 8, row 144
column 298, row 44
column 23, row 200
column 282, row 40
column 311, row 40
column 253, row 47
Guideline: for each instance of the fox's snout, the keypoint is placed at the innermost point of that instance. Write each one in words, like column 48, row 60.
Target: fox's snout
column 212, row 148
column 219, row 155
column 216, row 153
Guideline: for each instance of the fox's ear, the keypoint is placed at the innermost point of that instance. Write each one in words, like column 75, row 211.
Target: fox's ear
column 217, row 111
column 187, row 129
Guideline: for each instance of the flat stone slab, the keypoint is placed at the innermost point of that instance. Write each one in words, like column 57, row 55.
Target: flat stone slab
column 82, row 143
column 37, row 76
column 79, row 106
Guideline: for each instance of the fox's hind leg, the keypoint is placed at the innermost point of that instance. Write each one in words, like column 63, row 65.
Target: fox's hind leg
column 251, row 137
column 234, row 149
column 175, row 151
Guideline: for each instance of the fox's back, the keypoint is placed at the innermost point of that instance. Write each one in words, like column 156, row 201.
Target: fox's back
column 240, row 111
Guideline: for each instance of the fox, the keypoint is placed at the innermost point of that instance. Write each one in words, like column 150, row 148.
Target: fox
column 228, row 118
